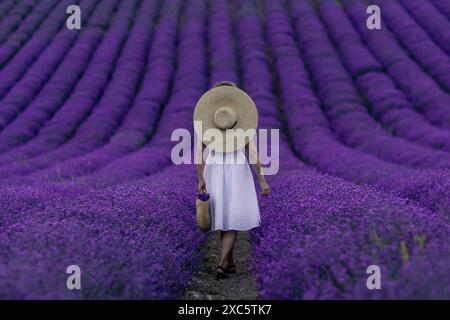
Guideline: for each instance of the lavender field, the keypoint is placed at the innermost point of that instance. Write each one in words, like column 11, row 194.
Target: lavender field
column 86, row 117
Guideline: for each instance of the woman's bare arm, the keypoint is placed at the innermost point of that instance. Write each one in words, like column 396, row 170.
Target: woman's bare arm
column 200, row 166
column 256, row 163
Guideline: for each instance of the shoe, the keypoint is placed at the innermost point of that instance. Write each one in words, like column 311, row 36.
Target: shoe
column 221, row 274
column 231, row 268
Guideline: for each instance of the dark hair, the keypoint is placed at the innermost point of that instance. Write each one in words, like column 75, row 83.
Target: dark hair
column 224, row 83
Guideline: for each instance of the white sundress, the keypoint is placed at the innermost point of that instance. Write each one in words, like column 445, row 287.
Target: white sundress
column 229, row 181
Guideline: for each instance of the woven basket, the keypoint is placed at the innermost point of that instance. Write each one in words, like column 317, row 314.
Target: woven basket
column 203, row 215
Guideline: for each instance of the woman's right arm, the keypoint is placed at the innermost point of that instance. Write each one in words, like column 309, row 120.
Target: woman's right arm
column 200, row 166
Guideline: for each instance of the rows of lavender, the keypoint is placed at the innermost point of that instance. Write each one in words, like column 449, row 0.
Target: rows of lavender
column 86, row 117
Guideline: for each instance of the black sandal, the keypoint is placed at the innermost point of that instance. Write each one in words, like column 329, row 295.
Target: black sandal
column 231, row 268
column 222, row 274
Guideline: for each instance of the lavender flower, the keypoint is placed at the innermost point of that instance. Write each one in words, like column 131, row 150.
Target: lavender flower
column 204, row 196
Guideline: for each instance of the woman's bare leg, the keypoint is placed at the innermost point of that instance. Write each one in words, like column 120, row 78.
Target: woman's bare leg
column 229, row 259
column 228, row 241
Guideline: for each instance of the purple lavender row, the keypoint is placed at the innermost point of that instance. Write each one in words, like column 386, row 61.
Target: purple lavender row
column 141, row 120
column 346, row 112
column 251, row 56
column 190, row 80
column 436, row 24
column 415, row 39
column 5, row 7
column 83, row 98
column 424, row 93
column 221, row 44
column 302, row 278
column 156, row 154
column 443, row 6
column 114, row 103
column 14, row 18
column 58, row 87
column 387, row 103
column 133, row 253
column 26, row 90
column 25, row 30
column 317, row 241
column 189, row 84
column 191, row 37
column 228, row 67
column 316, row 144
column 29, row 53
column 257, row 77
column 118, row 30
column 135, row 241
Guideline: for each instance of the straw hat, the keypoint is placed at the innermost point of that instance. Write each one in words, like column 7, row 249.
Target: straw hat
column 227, row 110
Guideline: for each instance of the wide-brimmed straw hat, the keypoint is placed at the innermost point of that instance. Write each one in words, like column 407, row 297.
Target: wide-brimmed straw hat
column 226, row 110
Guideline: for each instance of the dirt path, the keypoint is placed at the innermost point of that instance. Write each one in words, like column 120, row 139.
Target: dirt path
column 240, row 286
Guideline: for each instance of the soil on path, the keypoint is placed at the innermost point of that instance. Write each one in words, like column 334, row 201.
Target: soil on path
column 239, row 286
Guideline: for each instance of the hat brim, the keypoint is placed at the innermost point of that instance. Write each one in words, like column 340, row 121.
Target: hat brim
column 241, row 103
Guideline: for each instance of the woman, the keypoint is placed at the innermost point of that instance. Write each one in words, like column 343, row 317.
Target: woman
column 227, row 175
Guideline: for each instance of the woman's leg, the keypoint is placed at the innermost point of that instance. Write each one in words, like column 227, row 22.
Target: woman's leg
column 230, row 255
column 228, row 240
column 229, row 259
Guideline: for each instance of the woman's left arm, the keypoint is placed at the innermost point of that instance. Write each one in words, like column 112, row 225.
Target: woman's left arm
column 256, row 163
